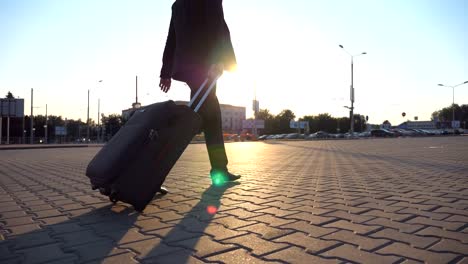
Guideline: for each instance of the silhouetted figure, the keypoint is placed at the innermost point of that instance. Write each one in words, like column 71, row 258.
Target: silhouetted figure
column 199, row 45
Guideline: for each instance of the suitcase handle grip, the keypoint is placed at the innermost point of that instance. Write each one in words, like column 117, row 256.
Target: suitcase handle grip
column 205, row 95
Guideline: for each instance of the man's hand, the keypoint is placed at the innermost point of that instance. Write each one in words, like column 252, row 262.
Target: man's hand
column 165, row 84
column 215, row 70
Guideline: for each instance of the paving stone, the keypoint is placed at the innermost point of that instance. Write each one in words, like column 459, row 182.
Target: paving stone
column 311, row 244
column 403, row 250
column 173, row 234
column 314, row 219
column 151, row 248
column 95, row 251
column 452, row 226
column 271, row 220
column 431, row 215
column 53, row 220
column 265, row 231
column 403, row 227
column 168, row 216
column 352, row 253
column 308, row 228
column 126, row 236
column 219, row 232
column 68, row 227
column 44, row 254
column 33, row 239
column 79, row 238
column 457, row 218
column 173, row 258
column 242, row 213
column 450, row 210
column 250, row 206
column 237, row 256
column 277, row 212
column 297, row 255
column 440, row 233
column 353, row 218
column 13, row 214
column 363, row 242
column 285, row 206
column 232, row 222
column 47, row 213
column 256, row 245
column 358, row 228
column 151, row 224
column 452, row 246
column 204, row 245
column 123, row 258
column 22, row 229
column 23, row 220
column 413, row 240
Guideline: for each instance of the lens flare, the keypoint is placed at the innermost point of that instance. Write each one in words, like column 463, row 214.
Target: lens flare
column 218, row 179
column 211, row 209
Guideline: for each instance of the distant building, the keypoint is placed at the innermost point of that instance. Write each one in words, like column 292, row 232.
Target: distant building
column 231, row 116
column 419, row 125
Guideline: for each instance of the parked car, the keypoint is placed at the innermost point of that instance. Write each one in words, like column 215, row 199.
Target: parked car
column 292, row 136
column 382, row 133
column 321, row 134
column 262, row 137
column 364, row 134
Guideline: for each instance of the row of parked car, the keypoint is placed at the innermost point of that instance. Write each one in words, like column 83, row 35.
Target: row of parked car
column 367, row 134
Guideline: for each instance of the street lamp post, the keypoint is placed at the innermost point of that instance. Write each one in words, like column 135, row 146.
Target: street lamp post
column 87, row 122
column 453, row 96
column 32, row 118
column 99, row 118
column 352, row 86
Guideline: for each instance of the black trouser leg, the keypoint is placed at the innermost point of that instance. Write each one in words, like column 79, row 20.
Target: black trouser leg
column 212, row 127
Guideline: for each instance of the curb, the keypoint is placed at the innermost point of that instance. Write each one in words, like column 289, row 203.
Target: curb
column 22, row 147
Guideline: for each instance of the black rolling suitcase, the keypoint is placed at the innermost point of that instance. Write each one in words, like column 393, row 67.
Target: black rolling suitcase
column 133, row 165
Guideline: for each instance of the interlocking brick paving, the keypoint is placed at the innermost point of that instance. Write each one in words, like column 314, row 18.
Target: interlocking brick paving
column 399, row 200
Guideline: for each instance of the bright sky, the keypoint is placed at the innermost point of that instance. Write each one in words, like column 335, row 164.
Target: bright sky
column 287, row 50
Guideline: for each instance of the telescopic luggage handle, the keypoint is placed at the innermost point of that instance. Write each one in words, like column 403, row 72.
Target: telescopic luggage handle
column 205, row 95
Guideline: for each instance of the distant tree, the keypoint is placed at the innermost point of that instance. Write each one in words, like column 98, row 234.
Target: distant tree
column 9, row 96
column 283, row 120
column 326, row 123
column 264, row 114
column 112, row 124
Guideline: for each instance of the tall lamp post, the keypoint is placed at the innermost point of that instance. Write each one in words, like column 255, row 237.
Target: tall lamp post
column 352, row 86
column 99, row 118
column 453, row 96
column 87, row 122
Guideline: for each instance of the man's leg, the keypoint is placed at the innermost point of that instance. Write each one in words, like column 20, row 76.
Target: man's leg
column 212, row 126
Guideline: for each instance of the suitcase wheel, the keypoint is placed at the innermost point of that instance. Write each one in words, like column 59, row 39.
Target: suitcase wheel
column 114, row 201
column 163, row 190
column 113, row 197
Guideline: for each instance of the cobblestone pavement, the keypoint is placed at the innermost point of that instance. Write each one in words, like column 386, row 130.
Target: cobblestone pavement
column 358, row 201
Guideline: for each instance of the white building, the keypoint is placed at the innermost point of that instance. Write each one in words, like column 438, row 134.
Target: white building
column 231, row 116
column 419, row 125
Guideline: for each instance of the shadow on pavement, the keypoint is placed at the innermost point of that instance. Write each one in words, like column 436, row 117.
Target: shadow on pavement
column 113, row 233
column 189, row 230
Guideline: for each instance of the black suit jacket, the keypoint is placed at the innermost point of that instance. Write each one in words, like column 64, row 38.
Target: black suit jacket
column 198, row 37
